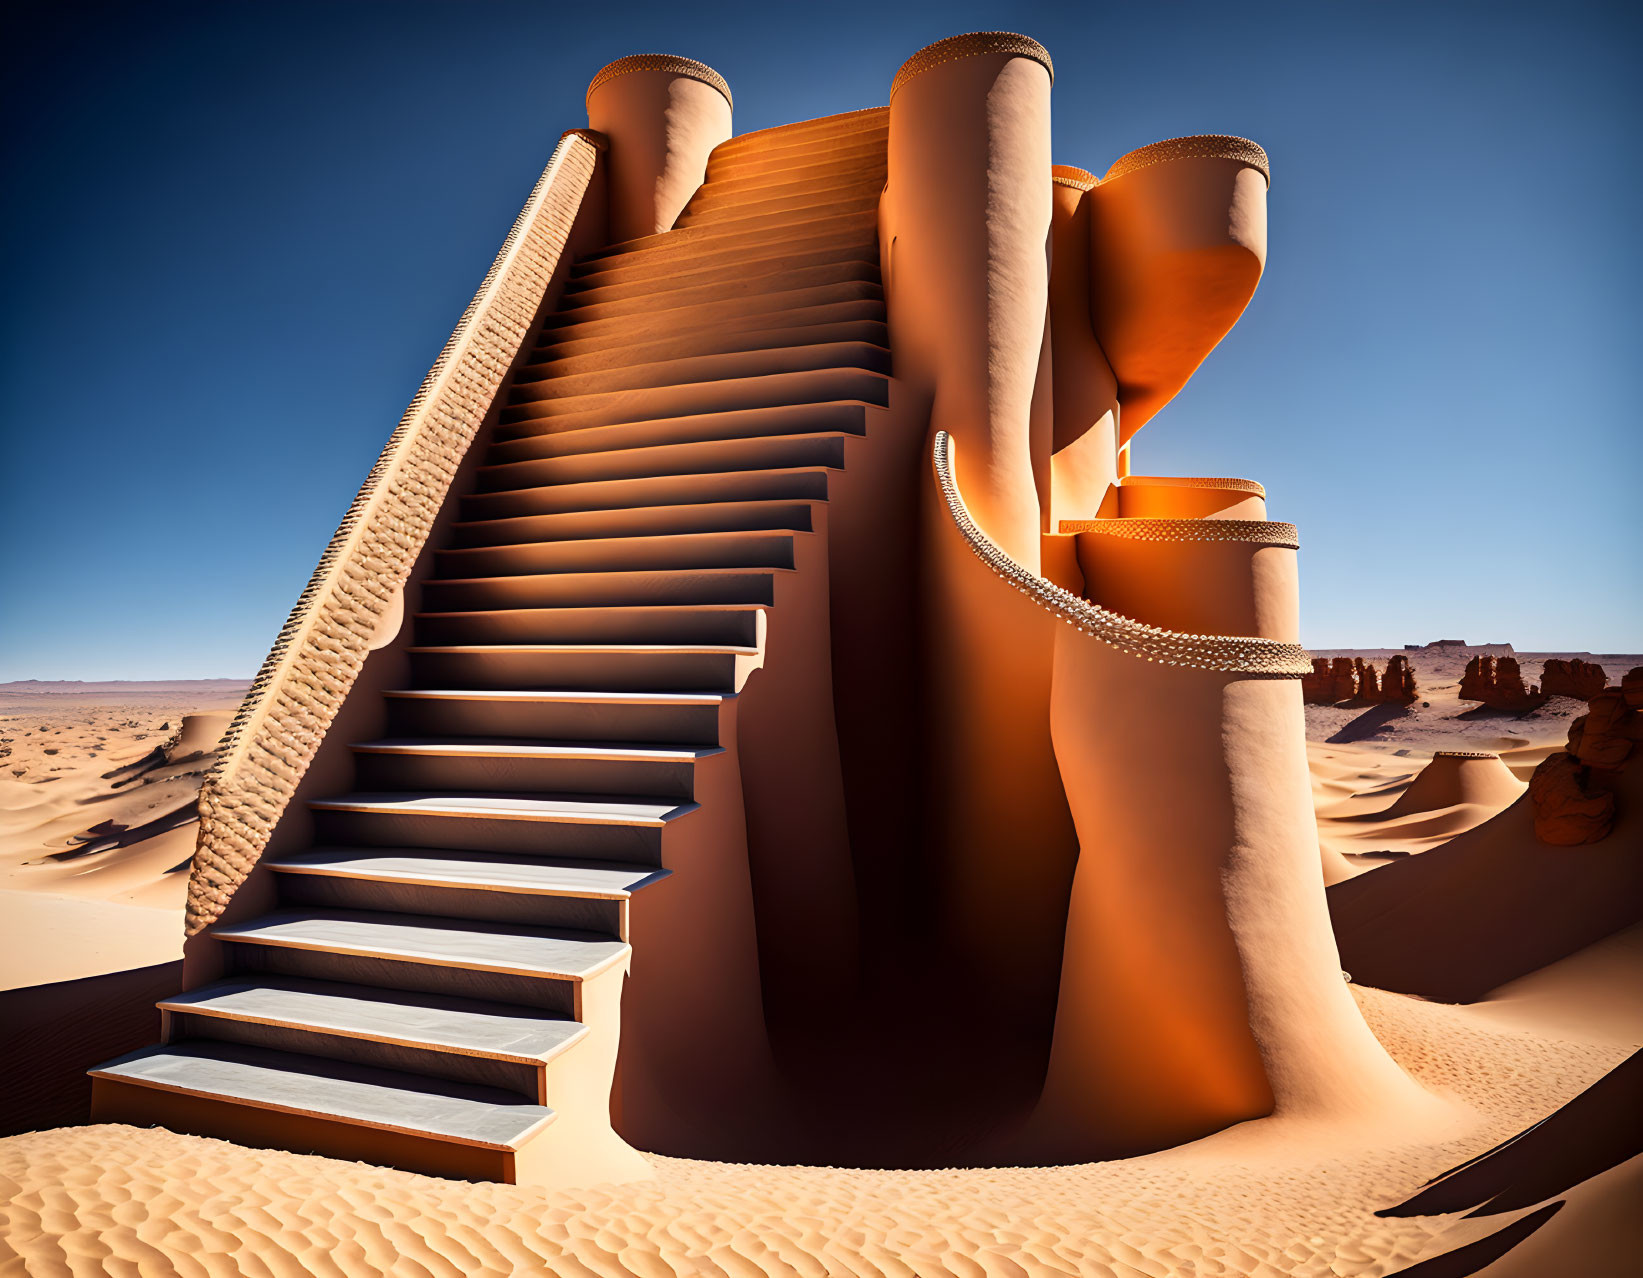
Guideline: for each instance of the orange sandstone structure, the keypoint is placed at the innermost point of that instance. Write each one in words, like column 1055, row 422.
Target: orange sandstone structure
column 757, row 709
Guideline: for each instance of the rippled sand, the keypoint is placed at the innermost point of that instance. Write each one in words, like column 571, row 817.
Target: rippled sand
column 1287, row 1195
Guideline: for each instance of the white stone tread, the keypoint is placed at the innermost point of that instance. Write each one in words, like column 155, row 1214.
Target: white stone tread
column 492, row 871
column 295, row 1084
column 567, row 696
column 465, row 1027
column 564, row 808
column 530, row 748
column 548, row 649
column 516, row 949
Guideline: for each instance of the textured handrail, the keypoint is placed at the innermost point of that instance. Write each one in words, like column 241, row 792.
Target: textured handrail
column 1233, row 653
column 1071, row 175
column 1201, row 146
column 1219, row 482
column 973, row 44
column 354, row 591
column 668, row 62
column 1263, row 532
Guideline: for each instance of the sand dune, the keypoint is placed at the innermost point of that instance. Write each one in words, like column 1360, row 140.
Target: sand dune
column 1491, row 905
column 1455, row 779
column 1374, row 806
column 97, row 821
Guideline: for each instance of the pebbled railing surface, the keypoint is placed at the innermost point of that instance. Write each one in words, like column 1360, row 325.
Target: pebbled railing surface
column 324, row 643
column 1221, row 483
column 1264, row 532
column 1232, row 653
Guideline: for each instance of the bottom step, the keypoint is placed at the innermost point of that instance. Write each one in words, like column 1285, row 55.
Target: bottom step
column 436, row 1110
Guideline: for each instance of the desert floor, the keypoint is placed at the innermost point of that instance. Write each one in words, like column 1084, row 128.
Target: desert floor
column 96, row 826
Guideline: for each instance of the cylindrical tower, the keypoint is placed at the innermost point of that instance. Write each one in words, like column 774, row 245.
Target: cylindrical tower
column 964, row 229
column 964, row 223
column 662, row 116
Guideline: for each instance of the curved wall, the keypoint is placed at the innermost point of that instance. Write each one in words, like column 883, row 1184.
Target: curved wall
column 1201, row 576
column 662, row 116
column 1180, row 497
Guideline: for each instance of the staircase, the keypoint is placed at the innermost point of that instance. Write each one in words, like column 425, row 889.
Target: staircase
column 439, row 984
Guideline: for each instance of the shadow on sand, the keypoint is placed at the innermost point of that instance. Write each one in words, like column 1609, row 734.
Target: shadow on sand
column 1370, row 723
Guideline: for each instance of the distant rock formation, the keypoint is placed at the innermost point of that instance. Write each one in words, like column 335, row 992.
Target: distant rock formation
column 1398, row 684
column 1579, row 679
column 1332, row 679
column 1498, row 683
column 1573, row 791
column 1338, row 679
column 1454, row 645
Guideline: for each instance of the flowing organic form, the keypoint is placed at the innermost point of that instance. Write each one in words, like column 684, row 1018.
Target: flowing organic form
column 754, row 711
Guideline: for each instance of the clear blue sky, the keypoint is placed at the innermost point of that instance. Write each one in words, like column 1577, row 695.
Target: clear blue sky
column 236, row 235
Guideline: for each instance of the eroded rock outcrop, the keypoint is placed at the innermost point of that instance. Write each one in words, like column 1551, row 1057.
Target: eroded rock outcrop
column 1498, row 683
column 1338, row 679
column 1332, row 679
column 1573, row 791
column 1398, row 684
column 1579, row 679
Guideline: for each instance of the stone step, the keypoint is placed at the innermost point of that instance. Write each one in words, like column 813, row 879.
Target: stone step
column 603, row 769
column 852, row 199
column 337, row 1091
column 616, row 588
column 704, row 247
column 639, row 495
column 592, row 329
column 864, row 323
column 701, row 428
column 685, row 718
column 486, row 871
column 627, row 829
column 693, row 457
column 713, row 668
column 472, row 945
column 679, row 624
column 729, row 199
column 452, row 883
column 497, row 1031
column 691, row 369
column 730, row 549
column 662, row 276
column 864, row 148
column 653, row 263
column 809, row 134
column 791, row 278
column 866, row 385
column 865, row 158
column 766, row 227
